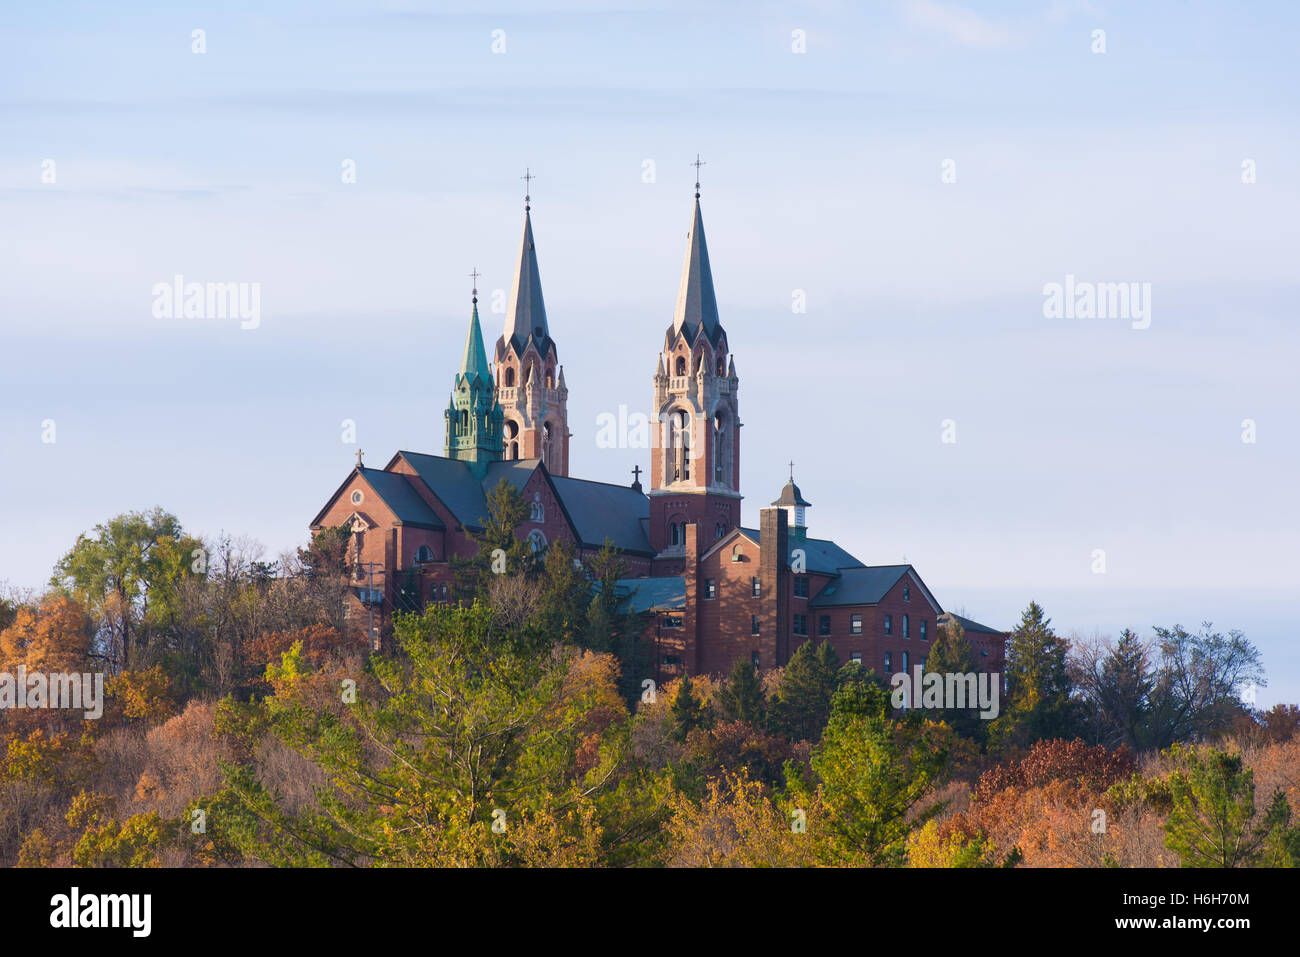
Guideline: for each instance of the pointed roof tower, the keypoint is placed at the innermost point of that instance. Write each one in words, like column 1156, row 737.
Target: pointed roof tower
column 526, row 315
column 697, row 306
column 474, row 363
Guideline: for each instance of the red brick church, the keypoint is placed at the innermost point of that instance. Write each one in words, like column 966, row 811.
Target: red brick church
column 717, row 591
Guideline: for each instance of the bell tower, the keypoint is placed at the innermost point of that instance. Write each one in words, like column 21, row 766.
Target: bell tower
column 529, row 379
column 473, row 414
column 695, row 440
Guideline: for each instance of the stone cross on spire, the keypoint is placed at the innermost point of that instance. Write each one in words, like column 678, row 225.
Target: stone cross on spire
column 528, row 178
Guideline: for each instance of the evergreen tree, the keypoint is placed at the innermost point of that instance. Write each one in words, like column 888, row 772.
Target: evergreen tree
column 1123, row 694
column 742, row 697
column 1038, row 704
column 803, row 701
column 952, row 654
column 688, row 711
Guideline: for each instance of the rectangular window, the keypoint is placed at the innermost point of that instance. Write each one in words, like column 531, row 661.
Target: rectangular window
column 905, row 633
column 710, row 588
column 801, row 624
column 757, row 587
column 855, row 624
column 800, row 586
column 905, row 661
column 754, row 660
column 753, row 624
column 889, row 662
column 855, row 657
column 673, row 621
column 907, row 592
column 672, row 660
column 923, row 629
column 823, row 625
column 889, row 624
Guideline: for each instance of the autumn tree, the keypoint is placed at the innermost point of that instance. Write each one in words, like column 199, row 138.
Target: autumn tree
column 1038, row 701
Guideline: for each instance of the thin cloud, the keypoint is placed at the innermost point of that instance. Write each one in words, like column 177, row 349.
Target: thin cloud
column 962, row 25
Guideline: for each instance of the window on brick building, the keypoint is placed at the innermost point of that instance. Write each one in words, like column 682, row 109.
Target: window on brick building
column 710, row 588
column 823, row 625
column 672, row 660
column 889, row 624
column 923, row 629
column 673, row 621
column 855, row 657
column 905, row 632
column 907, row 592
column 905, row 665
column 756, row 586
column 536, row 512
column 855, row 624
column 423, row 554
column 800, row 586
column 889, row 662
column 753, row 624
column 801, row 624
column 753, row 659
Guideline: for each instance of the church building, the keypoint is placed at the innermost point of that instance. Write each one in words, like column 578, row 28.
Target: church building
column 713, row 590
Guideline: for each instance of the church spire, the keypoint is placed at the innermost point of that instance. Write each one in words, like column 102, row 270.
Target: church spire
column 697, row 307
column 474, row 363
column 526, row 315
column 474, row 417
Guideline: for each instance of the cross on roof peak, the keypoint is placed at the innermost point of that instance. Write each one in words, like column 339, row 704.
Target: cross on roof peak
column 697, row 164
column 528, row 178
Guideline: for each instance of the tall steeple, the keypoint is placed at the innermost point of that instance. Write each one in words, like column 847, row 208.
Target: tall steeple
column 530, row 381
column 526, row 314
column 697, row 306
column 473, row 415
column 695, row 444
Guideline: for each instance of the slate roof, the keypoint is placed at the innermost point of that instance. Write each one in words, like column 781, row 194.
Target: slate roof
column 790, row 495
column 652, row 594
column 865, row 585
column 399, row 495
column 599, row 511
column 968, row 625
column 474, row 364
column 697, row 306
column 526, row 314
column 820, row 554
column 596, row 510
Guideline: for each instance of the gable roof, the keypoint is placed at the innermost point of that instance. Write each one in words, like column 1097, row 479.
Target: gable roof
column 967, row 625
column 395, row 491
column 453, row 483
column 651, row 594
column 867, row 585
column 401, row 498
column 598, row 510
column 821, row 555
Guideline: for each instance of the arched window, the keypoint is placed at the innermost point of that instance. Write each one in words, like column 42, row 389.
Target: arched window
column 424, row 554
column 537, row 540
column 536, row 513
column 514, row 450
column 464, row 422
column 510, row 378
column 721, row 460
column 511, row 434
column 673, row 538
column 550, row 378
column 722, row 365
column 681, row 365
column 548, row 445
column 678, row 462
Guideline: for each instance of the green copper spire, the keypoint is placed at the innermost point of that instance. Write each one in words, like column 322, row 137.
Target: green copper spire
column 474, row 418
column 474, row 363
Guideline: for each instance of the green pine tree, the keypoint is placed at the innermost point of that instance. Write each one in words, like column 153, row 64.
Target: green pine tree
column 741, row 699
